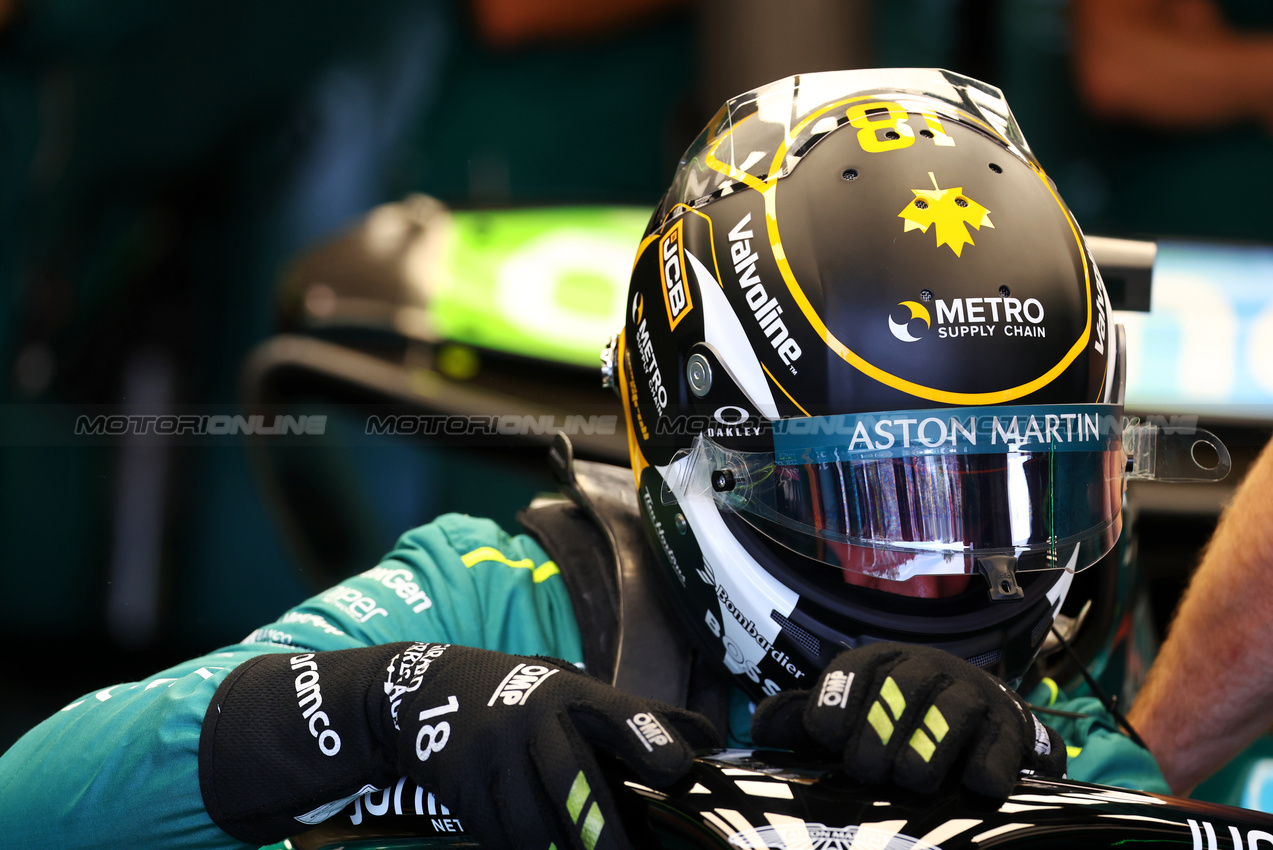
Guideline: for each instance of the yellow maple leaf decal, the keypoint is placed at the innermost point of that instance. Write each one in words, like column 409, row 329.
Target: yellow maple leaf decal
column 950, row 209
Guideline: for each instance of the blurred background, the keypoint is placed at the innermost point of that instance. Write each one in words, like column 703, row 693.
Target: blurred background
column 261, row 208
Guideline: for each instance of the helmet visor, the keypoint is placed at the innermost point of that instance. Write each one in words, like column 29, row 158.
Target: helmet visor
column 900, row 494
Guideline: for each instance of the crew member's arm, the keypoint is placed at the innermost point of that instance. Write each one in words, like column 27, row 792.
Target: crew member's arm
column 1210, row 691
column 1170, row 63
column 516, row 23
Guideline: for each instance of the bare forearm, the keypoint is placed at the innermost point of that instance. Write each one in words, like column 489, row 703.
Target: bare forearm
column 514, row 23
column 1210, row 691
column 1170, row 64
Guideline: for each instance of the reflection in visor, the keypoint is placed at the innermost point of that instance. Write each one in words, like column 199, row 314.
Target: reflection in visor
column 952, row 506
column 900, row 494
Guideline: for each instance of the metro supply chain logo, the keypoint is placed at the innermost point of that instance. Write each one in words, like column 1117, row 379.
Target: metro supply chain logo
column 960, row 317
column 650, row 363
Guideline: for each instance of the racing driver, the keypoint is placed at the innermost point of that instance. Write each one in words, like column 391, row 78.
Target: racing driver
column 873, row 395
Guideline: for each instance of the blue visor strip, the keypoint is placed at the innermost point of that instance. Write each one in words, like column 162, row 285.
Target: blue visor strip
column 954, row 430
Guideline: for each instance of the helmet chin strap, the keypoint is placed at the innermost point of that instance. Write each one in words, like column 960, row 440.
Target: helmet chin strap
column 1001, row 573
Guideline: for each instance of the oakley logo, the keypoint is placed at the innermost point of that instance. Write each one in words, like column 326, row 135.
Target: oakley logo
column 731, row 415
column 734, row 419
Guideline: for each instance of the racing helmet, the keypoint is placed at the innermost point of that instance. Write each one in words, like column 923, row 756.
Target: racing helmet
column 865, row 338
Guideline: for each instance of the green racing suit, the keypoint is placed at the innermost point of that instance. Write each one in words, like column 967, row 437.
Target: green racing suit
column 120, row 764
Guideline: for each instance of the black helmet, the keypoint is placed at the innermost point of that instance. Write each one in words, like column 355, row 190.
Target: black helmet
column 883, row 350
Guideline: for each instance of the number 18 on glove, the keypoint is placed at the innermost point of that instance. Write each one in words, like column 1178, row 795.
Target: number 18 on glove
column 508, row 743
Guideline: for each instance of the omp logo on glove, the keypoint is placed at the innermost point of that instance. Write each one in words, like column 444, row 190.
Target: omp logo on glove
column 835, row 689
column 520, row 682
column 649, row 730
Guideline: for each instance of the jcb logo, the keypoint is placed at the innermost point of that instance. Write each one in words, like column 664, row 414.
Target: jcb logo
column 676, row 296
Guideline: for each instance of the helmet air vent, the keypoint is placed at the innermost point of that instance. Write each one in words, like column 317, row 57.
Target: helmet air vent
column 807, row 641
column 986, row 659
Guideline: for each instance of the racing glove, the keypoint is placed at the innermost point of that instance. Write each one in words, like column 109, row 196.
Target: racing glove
column 506, row 742
column 912, row 715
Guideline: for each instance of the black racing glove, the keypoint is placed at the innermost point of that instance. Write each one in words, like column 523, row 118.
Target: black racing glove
column 910, row 715
column 506, row 742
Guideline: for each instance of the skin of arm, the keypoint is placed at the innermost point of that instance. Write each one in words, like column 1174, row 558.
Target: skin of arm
column 1170, row 63
column 1210, row 690
column 514, row 23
